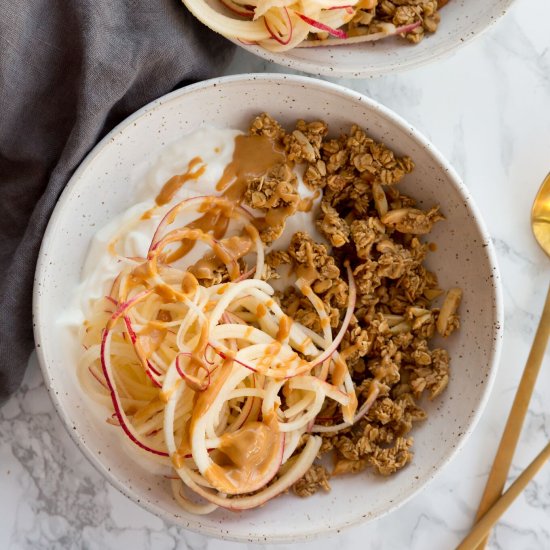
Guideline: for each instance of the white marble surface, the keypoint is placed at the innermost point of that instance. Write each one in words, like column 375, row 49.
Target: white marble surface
column 488, row 110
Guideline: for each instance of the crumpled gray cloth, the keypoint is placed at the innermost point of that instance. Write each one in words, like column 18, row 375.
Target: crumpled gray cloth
column 70, row 70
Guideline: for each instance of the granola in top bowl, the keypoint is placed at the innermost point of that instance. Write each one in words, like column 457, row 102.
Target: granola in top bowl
column 282, row 25
column 349, row 38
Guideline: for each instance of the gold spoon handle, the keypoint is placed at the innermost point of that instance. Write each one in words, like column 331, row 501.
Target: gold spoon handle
column 483, row 526
column 512, row 430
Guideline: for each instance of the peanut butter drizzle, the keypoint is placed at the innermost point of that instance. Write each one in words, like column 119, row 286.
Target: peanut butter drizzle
column 204, row 400
column 304, row 344
column 184, row 448
column 351, row 407
column 253, row 156
column 271, row 351
column 261, row 310
column 238, row 246
column 305, row 205
column 152, row 336
column 147, row 215
column 232, row 248
column 222, row 289
column 276, row 216
column 250, row 453
column 112, row 247
column 166, row 293
column 172, row 186
column 216, row 219
column 339, row 372
column 205, row 267
column 202, row 343
column 189, row 284
column 273, row 218
column 142, row 273
column 165, row 395
column 308, row 273
column 142, row 415
column 196, row 364
column 284, row 328
column 344, row 354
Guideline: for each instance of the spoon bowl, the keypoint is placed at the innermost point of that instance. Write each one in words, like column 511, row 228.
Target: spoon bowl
column 540, row 215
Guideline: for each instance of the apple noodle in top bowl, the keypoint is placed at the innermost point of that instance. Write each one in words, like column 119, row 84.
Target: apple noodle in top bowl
column 274, row 364
column 384, row 37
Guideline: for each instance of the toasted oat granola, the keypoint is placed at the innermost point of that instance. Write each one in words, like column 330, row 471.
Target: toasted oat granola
column 367, row 221
column 374, row 14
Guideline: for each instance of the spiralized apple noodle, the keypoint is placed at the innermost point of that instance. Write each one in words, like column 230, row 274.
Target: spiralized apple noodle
column 280, row 25
column 215, row 382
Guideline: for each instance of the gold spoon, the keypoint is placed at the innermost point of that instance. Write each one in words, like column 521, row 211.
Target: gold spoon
column 492, row 504
column 540, row 216
column 479, row 534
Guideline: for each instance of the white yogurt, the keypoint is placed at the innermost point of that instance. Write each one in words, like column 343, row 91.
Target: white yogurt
column 131, row 234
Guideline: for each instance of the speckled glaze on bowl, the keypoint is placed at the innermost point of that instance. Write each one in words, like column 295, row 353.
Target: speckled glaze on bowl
column 461, row 22
column 103, row 186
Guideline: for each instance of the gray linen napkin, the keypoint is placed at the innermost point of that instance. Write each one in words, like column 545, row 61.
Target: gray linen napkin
column 69, row 71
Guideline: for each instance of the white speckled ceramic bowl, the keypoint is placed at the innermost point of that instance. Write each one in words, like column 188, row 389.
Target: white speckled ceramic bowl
column 104, row 186
column 461, row 22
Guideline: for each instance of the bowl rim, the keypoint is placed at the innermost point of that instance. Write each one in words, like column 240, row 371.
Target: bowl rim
column 40, row 330
column 310, row 67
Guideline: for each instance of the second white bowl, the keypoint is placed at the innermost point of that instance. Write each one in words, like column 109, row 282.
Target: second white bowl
column 461, row 22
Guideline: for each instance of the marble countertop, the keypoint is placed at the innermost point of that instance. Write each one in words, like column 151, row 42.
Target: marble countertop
column 487, row 109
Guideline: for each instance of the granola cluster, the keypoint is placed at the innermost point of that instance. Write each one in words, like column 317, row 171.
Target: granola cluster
column 374, row 14
column 368, row 222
